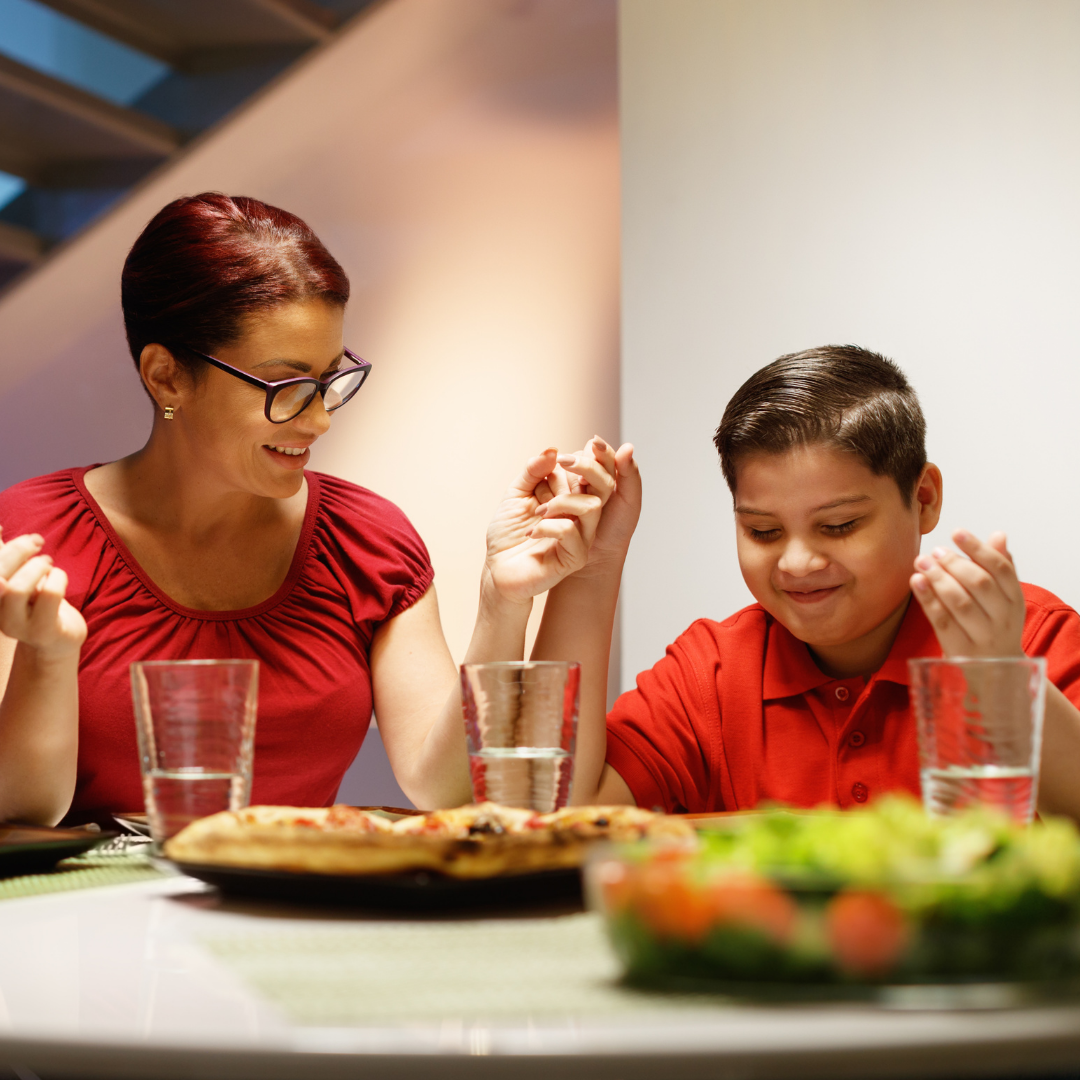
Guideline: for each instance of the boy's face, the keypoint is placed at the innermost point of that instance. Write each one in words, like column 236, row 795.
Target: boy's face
column 825, row 546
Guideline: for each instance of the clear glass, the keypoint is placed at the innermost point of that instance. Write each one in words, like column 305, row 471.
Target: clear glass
column 195, row 721
column 980, row 733
column 521, row 726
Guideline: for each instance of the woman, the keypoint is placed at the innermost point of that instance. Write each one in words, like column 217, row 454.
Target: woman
column 212, row 541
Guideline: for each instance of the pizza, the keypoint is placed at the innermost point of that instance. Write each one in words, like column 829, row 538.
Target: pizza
column 478, row 841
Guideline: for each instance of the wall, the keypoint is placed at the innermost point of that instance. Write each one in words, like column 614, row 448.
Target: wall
column 461, row 161
column 897, row 173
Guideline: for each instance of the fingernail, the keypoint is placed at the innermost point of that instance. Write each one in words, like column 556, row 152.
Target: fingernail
column 962, row 536
column 38, row 539
column 549, row 450
column 924, row 562
column 567, row 459
column 941, row 553
column 919, row 583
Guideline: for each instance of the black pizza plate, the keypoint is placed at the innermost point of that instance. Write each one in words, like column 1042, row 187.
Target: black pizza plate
column 30, row 849
column 419, row 890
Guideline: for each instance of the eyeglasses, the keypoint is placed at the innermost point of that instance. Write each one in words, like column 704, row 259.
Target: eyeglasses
column 288, row 398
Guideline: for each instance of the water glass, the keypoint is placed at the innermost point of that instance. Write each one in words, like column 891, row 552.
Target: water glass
column 980, row 733
column 196, row 726
column 521, row 723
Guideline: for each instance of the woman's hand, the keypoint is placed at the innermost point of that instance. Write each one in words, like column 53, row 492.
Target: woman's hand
column 33, row 610
column 613, row 475
column 543, row 529
column 975, row 605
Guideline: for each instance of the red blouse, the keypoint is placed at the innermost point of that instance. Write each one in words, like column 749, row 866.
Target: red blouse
column 358, row 563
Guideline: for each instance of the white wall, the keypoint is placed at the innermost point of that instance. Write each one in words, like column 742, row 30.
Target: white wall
column 901, row 174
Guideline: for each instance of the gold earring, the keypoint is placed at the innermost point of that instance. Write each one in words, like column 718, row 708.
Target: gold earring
column 170, row 412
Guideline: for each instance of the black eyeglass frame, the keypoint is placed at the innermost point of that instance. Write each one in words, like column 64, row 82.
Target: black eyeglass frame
column 272, row 389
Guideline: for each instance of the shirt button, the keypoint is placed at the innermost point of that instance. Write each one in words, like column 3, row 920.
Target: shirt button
column 856, row 738
column 859, row 792
column 841, row 693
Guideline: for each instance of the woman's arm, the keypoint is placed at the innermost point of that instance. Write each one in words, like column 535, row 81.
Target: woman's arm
column 540, row 535
column 40, row 638
column 580, row 614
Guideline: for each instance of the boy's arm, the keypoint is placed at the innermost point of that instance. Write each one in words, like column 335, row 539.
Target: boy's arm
column 580, row 613
column 977, row 608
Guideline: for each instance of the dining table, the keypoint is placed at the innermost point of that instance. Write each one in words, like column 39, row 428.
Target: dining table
column 114, row 965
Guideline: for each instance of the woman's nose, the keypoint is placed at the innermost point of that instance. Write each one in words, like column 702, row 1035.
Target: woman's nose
column 315, row 418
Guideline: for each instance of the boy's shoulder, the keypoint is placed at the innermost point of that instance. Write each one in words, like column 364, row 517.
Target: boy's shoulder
column 1041, row 599
column 746, row 630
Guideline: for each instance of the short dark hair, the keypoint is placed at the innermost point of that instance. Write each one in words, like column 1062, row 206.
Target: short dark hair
column 206, row 262
column 837, row 395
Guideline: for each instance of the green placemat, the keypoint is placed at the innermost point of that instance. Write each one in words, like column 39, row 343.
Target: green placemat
column 408, row 971
column 116, row 863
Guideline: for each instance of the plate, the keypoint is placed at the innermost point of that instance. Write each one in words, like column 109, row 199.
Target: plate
column 419, row 890
column 29, row 849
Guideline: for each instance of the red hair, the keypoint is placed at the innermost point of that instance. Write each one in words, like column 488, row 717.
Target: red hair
column 207, row 262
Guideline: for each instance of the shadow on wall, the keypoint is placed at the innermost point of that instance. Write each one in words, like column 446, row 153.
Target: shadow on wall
column 89, row 384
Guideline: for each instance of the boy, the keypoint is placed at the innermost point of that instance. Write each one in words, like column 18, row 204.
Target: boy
column 802, row 698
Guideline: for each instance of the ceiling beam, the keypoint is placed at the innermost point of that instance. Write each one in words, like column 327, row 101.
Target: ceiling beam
column 44, row 120
column 19, row 245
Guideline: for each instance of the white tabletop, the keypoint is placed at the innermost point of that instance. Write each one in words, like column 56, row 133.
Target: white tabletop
column 164, row 979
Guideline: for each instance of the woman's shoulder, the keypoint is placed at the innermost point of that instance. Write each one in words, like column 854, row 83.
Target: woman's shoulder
column 40, row 504
column 358, row 518
column 372, row 541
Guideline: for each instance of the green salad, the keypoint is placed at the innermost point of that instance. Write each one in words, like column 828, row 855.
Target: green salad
column 883, row 894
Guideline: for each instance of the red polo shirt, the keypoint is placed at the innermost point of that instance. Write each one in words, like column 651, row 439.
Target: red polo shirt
column 738, row 713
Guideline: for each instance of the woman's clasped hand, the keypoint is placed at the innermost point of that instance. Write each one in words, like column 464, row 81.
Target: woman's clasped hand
column 546, row 525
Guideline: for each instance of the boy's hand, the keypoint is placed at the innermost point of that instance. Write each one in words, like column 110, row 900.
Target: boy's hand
column 975, row 605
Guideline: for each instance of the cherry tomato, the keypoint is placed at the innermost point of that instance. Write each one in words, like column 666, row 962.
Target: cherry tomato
column 867, row 932
column 754, row 903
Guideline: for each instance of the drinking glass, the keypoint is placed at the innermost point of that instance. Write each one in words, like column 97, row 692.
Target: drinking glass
column 980, row 733
column 521, row 723
column 196, row 726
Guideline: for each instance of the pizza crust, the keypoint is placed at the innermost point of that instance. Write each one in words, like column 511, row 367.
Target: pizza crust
column 478, row 841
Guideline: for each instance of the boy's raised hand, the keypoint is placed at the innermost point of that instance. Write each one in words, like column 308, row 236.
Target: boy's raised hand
column 975, row 605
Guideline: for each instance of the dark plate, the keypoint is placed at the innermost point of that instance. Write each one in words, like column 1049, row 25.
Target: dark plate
column 29, row 849
column 417, row 891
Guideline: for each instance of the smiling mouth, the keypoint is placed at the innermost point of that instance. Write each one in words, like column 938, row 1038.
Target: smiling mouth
column 288, row 451
column 811, row 596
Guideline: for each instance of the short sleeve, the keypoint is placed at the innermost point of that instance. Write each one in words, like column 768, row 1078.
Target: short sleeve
column 657, row 731
column 1053, row 631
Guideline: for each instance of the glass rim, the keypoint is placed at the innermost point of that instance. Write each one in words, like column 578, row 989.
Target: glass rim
column 520, row 665
column 930, row 661
column 192, row 663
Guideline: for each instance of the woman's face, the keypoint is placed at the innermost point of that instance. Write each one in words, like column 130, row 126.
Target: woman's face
column 221, row 418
